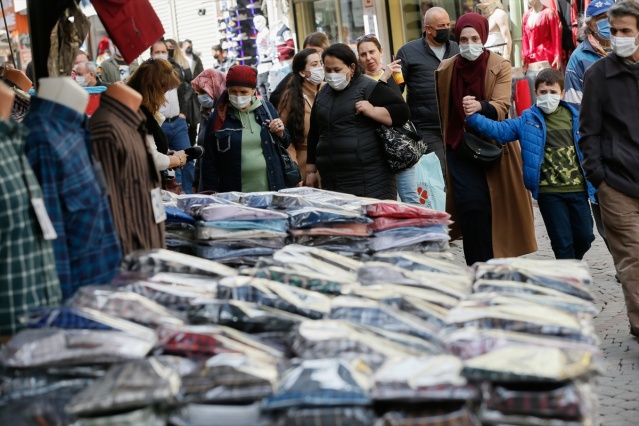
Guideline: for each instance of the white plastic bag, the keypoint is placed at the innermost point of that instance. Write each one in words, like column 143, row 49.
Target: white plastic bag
column 430, row 182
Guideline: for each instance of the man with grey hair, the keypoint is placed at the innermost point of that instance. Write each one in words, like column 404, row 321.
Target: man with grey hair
column 85, row 74
column 420, row 58
column 610, row 146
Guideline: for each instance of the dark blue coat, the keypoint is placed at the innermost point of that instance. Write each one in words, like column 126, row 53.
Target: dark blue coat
column 221, row 168
column 530, row 130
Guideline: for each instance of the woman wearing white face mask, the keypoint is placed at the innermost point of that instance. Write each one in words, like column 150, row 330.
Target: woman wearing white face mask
column 491, row 208
column 297, row 101
column 240, row 137
column 342, row 143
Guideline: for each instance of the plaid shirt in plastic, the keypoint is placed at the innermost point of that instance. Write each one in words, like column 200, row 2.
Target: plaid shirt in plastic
column 87, row 250
column 27, row 270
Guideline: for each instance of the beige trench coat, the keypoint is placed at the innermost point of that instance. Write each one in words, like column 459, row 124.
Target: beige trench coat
column 513, row 227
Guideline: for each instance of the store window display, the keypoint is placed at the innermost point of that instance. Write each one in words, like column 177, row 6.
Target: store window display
column 499, row 38
column 266, row 55
column 541, row 37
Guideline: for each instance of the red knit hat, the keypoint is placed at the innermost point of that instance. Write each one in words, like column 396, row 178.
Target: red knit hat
column 241, row 75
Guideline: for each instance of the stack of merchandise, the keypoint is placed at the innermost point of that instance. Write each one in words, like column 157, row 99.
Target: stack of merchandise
column 526, row 335
column 233, row 233
column 400, row 226
column 308, row 336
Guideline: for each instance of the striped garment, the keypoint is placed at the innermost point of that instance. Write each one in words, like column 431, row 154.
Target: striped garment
column 28, row 278
column 119, row 143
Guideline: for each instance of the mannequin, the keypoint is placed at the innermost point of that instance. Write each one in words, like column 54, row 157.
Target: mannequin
column 6, row 101
column 499, row 31
column 64, row 91
column 126, row 95
column 264, row 53
column 18, row 78
column 282, row 43
column 541, row 37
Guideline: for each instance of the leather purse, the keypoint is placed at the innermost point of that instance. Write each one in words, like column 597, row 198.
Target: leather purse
column 480, row 151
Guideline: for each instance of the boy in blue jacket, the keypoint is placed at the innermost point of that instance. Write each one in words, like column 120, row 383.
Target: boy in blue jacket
column 548, row 134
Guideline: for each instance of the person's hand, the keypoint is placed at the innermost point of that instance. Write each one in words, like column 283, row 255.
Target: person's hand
column 395, row 66
column 181, row 156
column 276, row 126
column 364, row 107
column 182, row 116
column 470, row 105
column 312, row 180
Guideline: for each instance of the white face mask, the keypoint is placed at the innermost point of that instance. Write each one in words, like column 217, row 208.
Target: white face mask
column 81, row 81
column 317, row 75
column 240, row 102
column 471, row 51
column 548, row 103
column 161, row 56
column 623, row 46
column 336, row 80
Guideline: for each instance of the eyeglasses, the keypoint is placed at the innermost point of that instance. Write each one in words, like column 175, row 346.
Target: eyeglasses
column 367, row 37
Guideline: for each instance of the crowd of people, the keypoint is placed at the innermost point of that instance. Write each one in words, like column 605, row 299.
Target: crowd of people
column 575, row 150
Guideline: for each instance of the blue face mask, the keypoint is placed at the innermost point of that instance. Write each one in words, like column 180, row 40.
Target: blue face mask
column 205, row 100
column 603, row 29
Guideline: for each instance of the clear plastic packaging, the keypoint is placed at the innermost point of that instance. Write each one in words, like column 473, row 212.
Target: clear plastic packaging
column 311, row 216
column 340, row 339
column 55, row 347
column 156, row 261
column 231, row 378
column 399, row 238
column 322, row 382
column 421, row 415
column 129, row 385
column 212, row 233
column 237, row 212
column 326, row 416
column 310, row 259
column 421, row 262
column 203, row 415
column 291, row 299
column 568, row 276
column 386, row 223
column 276, row 225
column 375, row 314
column 335, row 243
column 348, row 229
column 399, row 210
column 186, row 202
column 422, row 378
column 307, row 280
column 258, row 200
column 176, row 215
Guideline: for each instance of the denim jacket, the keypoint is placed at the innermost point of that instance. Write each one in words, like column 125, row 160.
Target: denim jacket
column 221, row 168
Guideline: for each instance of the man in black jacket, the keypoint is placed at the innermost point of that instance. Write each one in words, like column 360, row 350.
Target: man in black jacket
column 610, row 145
column 420, row 58
column 194, row 61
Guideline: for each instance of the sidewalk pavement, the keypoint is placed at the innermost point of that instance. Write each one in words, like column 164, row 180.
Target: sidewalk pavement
column 618, row 389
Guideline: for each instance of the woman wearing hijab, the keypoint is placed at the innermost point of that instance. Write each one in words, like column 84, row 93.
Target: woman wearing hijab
column 240, row 139
column 490, row 207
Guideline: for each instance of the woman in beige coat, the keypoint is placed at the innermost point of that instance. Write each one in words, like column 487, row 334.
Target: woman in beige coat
column 491, row 208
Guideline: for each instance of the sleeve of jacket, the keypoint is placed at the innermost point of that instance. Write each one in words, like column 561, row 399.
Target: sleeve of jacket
column 275, row 97
column 209, row 176
column 401, row 54
column 502, row 131
column 285, row 140
column 590, row 126
column 502, row 92
column 110, row 73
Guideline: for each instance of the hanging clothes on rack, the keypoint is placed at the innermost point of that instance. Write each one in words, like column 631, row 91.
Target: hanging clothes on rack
column 66, row 38
column 87, row 250
column 28, row 277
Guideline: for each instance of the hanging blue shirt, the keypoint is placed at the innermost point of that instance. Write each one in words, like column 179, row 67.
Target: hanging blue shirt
column 87, row 250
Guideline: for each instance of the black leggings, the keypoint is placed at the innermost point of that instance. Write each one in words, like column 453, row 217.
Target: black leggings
column 472, row 201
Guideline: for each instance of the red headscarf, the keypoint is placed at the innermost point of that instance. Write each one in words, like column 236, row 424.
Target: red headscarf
column 468, row 77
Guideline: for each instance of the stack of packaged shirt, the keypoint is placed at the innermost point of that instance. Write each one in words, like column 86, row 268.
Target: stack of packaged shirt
column 309, row 336
column 526, row 335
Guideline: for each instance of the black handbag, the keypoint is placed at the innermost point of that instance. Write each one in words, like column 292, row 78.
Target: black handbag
column 479, row 150
column 290, row 169
column 403, row 146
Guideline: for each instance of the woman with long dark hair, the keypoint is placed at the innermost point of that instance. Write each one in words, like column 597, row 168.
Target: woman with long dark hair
column 298, row 99
column 342, row 143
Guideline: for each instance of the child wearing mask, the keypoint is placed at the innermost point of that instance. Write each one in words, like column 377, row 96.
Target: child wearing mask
column 548, row 133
